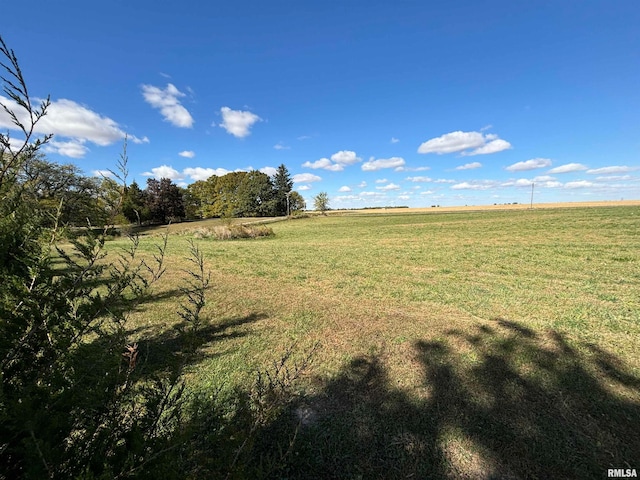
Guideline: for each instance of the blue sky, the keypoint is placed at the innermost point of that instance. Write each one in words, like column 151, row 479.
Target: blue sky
column 377, row 103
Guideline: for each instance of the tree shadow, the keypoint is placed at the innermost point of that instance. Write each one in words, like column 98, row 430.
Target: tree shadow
column 163, row 352
column 499, row 401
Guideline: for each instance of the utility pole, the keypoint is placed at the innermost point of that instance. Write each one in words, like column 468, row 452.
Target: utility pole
column 532, row 185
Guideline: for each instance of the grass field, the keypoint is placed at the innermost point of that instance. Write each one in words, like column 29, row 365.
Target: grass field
column 452, row 344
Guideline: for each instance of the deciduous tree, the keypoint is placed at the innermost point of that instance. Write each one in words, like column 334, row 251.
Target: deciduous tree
column 321, row 202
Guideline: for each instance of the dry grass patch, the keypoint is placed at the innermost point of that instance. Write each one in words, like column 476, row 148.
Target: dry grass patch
column 230, row 232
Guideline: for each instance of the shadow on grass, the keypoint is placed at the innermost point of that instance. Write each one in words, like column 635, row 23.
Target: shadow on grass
column 499, row 402
column 175, row 347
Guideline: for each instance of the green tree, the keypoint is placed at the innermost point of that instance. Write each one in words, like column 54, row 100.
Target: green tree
column 226, row 199
column 296, row 202
column 255, row 195
column 164, row 201
column 134, row 205
column 321, row 202
column 62, row 191
column 282, row 184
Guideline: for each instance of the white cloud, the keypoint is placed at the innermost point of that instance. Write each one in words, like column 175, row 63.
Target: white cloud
column 394, row 140
column 404, row 197
column 72, row 124
column 71, row 148
column 391, row 186
column 460, row 141
column 522, row 182
column 281, row 146
column 102, row 173
column 412, row 169
column 166, row 100
column 304, row 137
column 372, row 194
column 164, row 171
column 616, row 178
column 344, row 189
column 419, row 179
column 494, row 146
column 613, row 169
column 382, row 180
column 579, row 184
column 325, row 164
column 544, row 178
column 200, row 173
column 374, row 165
column 362, row 184
column 427, row 192
column 187, row 153
column 304, row 187
column 271, row 171
column 345, row 157
column 529, row 165
column 305, row 178
column 337, row 162
column 444, row 180
column 569, row 167
column 476, row 185
column 469, row 166
column 238, row 122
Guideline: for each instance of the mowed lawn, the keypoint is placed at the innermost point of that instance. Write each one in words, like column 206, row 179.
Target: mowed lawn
column 497, row 344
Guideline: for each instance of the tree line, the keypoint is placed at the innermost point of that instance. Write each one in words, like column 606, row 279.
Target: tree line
column 63, row 194
column 236, row 194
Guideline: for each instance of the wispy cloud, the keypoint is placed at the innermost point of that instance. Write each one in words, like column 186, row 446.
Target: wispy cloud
column 475, row 185
column 378, row 164
column 469, row 166
column 569, row 167
column 187, row 154
column 412, row 169
column 281, row 146
column 612, row 170
column 420, row 179
column 529, row 165
column 167, row 101
column 394, row 140
column 579, row 184
column 390, row 186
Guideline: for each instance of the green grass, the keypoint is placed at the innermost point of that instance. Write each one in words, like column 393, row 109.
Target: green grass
column 453, row 345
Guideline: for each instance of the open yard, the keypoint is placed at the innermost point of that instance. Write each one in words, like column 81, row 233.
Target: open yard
column 485, row 344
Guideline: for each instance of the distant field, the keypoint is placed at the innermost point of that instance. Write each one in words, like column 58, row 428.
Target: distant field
column 517, row 206
column 465, row 344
